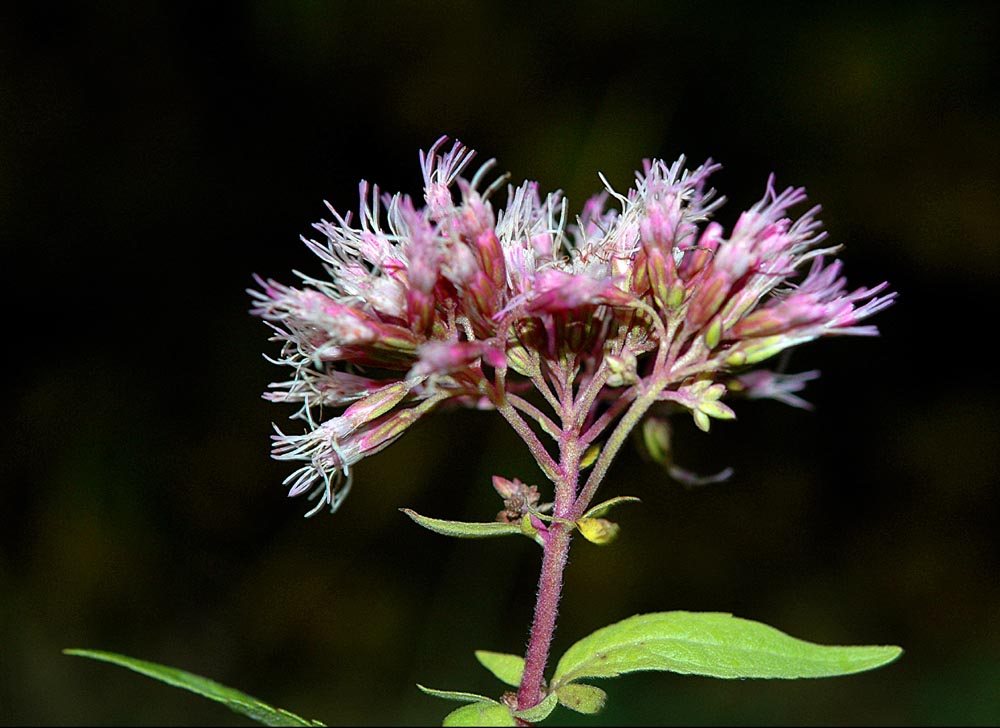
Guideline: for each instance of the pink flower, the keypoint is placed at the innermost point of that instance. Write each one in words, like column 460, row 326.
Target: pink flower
column 642, row 300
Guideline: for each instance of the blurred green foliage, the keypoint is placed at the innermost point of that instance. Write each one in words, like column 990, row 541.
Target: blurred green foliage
column 154, row 155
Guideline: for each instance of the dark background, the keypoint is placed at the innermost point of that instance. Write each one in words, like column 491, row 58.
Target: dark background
column 154, row 155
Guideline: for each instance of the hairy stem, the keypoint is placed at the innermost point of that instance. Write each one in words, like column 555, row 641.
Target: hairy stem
column 551, row 578
column 546, row 607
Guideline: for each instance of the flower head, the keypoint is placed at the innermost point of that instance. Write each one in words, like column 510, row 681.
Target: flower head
column 642, row 299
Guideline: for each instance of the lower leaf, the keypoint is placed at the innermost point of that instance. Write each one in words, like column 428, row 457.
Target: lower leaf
column 581, row 698
column 713, row 644
column 505, row 667
column 480, row 714
column 233, row 699
column 539, row 712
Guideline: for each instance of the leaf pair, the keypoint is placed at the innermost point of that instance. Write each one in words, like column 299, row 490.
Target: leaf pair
column 578, row 697
column 508, row 669
column 484, row 711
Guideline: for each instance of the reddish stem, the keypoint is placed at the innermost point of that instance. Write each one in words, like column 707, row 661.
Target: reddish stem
column 544, row 624
column 556, row 551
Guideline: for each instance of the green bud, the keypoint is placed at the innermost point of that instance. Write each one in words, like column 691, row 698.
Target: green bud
column 519, row 361
column 766, row 348
column 377, row 403
column 622, row 368
column 736, row 359
column 659, row 279
column 713, row 334
column 714, row 391
column 675, row 297
column 395, row 339
column 656, row 438
column 716, row 409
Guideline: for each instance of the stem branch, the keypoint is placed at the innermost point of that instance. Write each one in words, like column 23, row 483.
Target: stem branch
column 635, row 412
column 542, row 457
column 547, row 425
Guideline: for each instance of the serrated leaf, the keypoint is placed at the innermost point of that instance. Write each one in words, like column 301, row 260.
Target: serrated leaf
column 235, row 700
column 539, row 712
column 455, row 695
column 480, row 714
column 601, row 508
column 713, row 644
column 505, row 667
column 581, row 698
column 461, row 529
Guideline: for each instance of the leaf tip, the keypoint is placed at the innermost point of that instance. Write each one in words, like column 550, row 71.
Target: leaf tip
column 893, row 652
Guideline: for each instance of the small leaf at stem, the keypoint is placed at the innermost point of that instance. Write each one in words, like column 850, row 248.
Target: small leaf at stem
column 714, row 644
column 455, row 695
column 582, row 698
column 538, row 712
column 235, row 700
column 601, row 508
column 551, row 519
column 461, row 529
column 529, row 530
column 480, row 714
column 598, row 530
column 505, row 667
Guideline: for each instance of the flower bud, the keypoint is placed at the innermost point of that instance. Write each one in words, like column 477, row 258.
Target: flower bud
column 377, row 403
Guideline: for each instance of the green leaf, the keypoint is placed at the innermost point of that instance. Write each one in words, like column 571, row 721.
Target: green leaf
column 581, row 698
column 506, row 668
column 462, row 529
column 601, row 508
column 480, row 714
column 455, row 695
column 539, row 712
column 233, row 699
column 714, row 644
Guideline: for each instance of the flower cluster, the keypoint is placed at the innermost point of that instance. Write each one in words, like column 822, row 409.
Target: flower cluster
column 642, row 299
